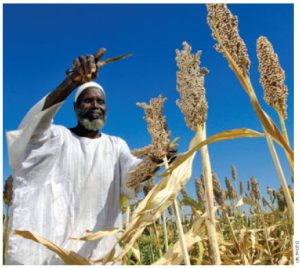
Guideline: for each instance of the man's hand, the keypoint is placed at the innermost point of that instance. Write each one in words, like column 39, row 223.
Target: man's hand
column 85, row 69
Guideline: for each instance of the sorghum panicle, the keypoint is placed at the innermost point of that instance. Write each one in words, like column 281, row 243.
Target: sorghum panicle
column 230, row 190
column 190, row 85
column 233, row 172
column 157, row 126
column 272, row 76
column 148, row 187
column 170, row 210
column 200, row 190
column 140, row 172
column 281, row 200
column 255, row 192
column 266, row 203
column 184, row 192
column 7, row 193
column 142, row 152
column 241, row 188
column 218, row 191
column 225, row 24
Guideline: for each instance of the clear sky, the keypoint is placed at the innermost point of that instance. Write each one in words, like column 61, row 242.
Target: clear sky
column 41, row 40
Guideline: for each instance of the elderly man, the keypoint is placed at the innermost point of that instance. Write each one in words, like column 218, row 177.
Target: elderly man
column 67, row 181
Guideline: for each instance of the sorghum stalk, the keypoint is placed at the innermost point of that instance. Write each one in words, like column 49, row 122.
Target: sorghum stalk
column 127, row 216
column 284, row 185
column 193, row 104
column 158, row 129
column 211, row 221
column 223, row 25
column 156, row 232
column 266, row 234
column 243, row 255
column 165, row 231
column 179, row 227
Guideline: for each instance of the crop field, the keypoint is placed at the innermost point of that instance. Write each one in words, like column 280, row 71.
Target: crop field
column 240, row 224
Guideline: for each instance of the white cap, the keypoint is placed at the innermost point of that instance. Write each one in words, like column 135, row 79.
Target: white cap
column 85, row 86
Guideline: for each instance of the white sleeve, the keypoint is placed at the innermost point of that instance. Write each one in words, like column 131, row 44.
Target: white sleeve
column 34, row 123
column 127, row 162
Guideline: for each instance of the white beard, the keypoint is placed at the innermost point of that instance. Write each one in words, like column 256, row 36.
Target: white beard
column 93, row 125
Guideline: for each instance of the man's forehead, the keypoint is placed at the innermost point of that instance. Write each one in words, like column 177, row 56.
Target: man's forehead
column 91, row 91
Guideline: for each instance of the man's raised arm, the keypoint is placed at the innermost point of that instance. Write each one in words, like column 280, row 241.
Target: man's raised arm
column 84, row 70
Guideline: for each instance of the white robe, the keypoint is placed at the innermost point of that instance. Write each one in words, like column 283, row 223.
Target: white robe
column 64, row 185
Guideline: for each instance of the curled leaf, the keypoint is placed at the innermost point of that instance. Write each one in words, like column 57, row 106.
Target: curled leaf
column 68, row 257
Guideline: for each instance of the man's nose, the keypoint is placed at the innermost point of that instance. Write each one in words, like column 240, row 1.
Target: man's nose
column 95, row 104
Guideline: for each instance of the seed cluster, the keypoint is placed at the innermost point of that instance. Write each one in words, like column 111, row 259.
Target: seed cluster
column 219, row 193
column 184, row 192
column 143, row 170
column 8, row 189
column 157, row 126
column 142, row 152
column 241, row 188
column 225, row 30
column 281, row 200
column 148, row 187
column 255, row 192
column 272, row 76
column 233, row 172
column 190, row 85
column 232, row 194
column 200, row 190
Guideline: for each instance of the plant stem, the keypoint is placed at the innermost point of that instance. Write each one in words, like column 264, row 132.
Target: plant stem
column 265, row 233
column 211, row 222
column 283, row 128
column 127, row 215
column 165, row 232
column 157, row 239
column 242, row 254
column 285, row 135
column 183, row 245
column 181, row 235
column 284, row 185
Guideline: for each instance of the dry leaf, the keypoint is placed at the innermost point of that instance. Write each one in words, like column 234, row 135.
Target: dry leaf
column 68, row 257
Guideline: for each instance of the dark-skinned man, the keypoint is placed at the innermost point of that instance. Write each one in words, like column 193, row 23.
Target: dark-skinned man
column 67, row 181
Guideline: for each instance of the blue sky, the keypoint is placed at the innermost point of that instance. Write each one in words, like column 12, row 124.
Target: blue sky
column 40, row 42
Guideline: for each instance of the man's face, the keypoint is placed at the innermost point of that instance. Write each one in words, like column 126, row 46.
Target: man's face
column 91, row 109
